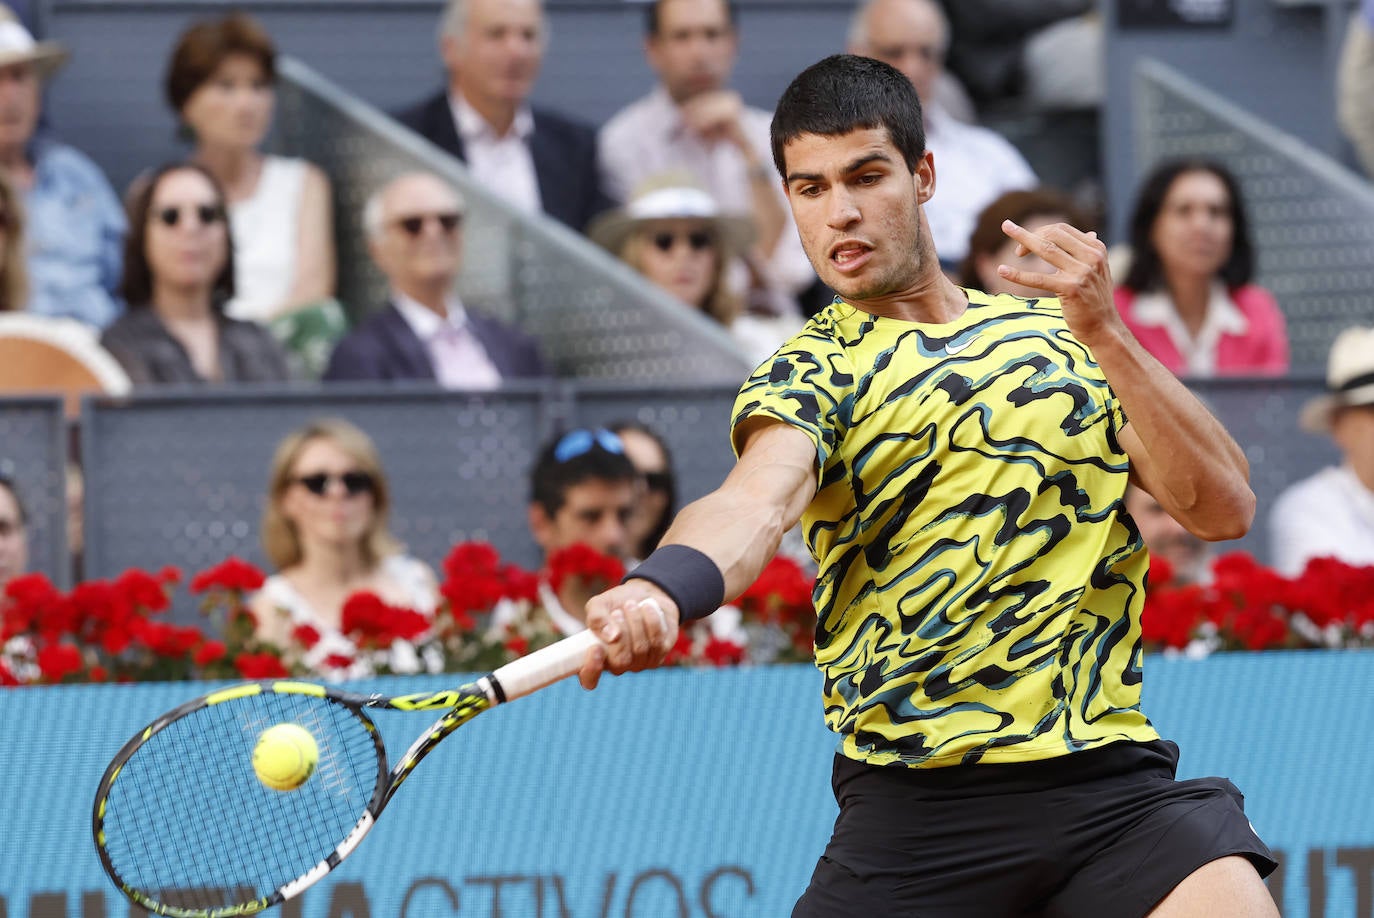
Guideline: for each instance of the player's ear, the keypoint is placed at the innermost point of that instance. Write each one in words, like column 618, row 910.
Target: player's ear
column 924, row 177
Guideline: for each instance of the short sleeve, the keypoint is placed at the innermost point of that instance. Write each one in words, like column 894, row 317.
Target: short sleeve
column 808, row 384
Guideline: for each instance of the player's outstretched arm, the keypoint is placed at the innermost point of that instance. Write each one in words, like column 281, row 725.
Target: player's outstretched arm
column 735, row 529
column 1179, row 452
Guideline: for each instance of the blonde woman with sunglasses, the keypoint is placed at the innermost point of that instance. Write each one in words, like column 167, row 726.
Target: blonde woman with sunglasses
column 325, row 531
column 178, row 274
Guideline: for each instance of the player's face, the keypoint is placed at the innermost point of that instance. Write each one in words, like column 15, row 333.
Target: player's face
column 681, row 257
column 234, row 107
column 1193, row 232
column 695, row 47
column 595, row 512
column 1165, row 537
column 498, row 55
column 336, row 517
column 14, row 543
column 857, row 209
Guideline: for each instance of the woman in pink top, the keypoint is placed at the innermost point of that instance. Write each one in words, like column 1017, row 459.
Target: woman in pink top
column 1188, row 295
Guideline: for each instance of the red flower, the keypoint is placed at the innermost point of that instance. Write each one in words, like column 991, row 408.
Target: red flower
column 780, row 595
column 143, row 590
column 305, row 635
column 210, row 652
column 98, row 673
column 338, row 661
column 260, row 666
column 517, row 645
column 723, row 653
column 232, row 575
column 169, row 575
column 57, row 661
column 591, row 569
column 370, row 622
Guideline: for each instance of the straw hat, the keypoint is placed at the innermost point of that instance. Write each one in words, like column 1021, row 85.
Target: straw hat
column 17, row 46
column 671, row 197
column 1349, row 378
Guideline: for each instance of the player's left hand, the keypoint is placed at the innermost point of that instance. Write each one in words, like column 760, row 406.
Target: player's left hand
column 1082, row 281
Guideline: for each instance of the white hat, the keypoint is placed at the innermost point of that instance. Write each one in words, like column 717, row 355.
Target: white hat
column 1349, row 378
column 672, row 197
column 17, row 46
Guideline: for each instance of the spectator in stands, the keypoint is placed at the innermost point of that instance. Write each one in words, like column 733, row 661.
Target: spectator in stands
column 1331, row 514
column 1187, row 294
column 537, row 159
column 582, row 490
column 324, row 529
column 1165, row 538
column 76, row 225
column 414, row 233
column 1355, row 84
column 14, row 539
column 657, row 497
column 694, row 123
column 178, row 274
column 673, row 232
column 14, row 274
column 989, row 246
column 220, row 84
column 973, row 164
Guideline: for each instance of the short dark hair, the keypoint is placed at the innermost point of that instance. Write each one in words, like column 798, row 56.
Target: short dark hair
column 846, row 92
column 205, row 45
column 136, row 286
column 1147, row 271
column 7, row 484
column 573, row 457
column 652, row 16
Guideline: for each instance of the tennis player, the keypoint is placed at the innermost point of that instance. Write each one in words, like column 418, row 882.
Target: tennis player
column 958, row 462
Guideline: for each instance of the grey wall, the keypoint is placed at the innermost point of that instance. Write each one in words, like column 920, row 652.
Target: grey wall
column 1277, row 60
column 108, row 101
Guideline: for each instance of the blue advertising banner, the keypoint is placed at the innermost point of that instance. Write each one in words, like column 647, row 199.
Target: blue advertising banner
column 685, row 794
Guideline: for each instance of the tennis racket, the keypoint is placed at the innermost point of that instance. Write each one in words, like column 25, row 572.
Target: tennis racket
column 184, row 827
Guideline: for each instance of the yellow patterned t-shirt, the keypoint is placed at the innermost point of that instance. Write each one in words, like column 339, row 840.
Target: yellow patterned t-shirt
column 979, row 591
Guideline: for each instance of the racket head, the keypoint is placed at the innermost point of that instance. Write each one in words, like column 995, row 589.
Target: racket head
column 184, row 827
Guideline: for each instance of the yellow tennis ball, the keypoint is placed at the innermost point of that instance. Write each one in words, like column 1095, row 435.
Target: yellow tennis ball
column 285, row 756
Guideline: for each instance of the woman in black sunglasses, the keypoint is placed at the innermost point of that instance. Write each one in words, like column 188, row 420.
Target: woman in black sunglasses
column 674, row 234
column 325, row 531
column 178, row 273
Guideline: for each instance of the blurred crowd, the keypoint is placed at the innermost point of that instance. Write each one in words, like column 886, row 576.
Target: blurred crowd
column 220, row 268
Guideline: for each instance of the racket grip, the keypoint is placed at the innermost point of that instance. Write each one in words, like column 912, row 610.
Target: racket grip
column 546, row 666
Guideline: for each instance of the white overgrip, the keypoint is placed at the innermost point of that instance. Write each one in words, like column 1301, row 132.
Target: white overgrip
column 546, row 666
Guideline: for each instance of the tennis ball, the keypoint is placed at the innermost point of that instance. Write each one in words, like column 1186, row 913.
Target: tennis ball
column 285, row 756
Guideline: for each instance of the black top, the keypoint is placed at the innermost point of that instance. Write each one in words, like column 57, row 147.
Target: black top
column 151, row 355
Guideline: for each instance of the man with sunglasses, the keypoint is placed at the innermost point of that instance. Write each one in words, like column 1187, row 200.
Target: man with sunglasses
column 414, row 230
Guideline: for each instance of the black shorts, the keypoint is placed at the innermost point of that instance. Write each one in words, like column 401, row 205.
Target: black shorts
column 1108, row 831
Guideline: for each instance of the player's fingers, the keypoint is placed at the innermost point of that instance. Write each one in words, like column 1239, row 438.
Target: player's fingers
column 637, row 633
column 656, row 623
column 1038, row 243
column 590, row 673
column 1051, row 283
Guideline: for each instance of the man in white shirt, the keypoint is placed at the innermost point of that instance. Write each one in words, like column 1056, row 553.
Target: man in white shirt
column 1331, row 513
column 973, row 165
column 414, row 233
column 693, row 122
column 538, row 160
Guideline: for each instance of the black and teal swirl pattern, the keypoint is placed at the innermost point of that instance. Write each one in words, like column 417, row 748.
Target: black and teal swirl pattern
column 979, row 592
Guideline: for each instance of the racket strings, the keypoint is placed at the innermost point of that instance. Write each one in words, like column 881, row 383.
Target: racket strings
column 188, row 823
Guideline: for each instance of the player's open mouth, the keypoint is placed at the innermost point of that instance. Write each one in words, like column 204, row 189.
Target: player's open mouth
column 850, row 256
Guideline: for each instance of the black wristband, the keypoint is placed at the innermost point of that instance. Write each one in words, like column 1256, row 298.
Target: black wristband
column 691, row 580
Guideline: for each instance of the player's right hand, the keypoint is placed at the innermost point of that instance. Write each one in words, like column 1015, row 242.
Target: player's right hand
column 637, row 624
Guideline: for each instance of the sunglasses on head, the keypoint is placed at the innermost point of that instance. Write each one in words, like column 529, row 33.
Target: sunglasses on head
column 354, row 483
column 576, row 442
column 207, row 214
column 697, row 240
column 413, row 226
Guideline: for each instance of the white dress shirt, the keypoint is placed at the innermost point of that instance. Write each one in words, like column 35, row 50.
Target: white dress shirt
column 973, row 167
column 503, row 165
column 460, row 361
column 649, row 137
column 1330, row 514
column 1223, row 317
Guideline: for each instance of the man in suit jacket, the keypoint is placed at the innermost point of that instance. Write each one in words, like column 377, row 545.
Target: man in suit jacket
column 536, row 159
column 414, row 233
